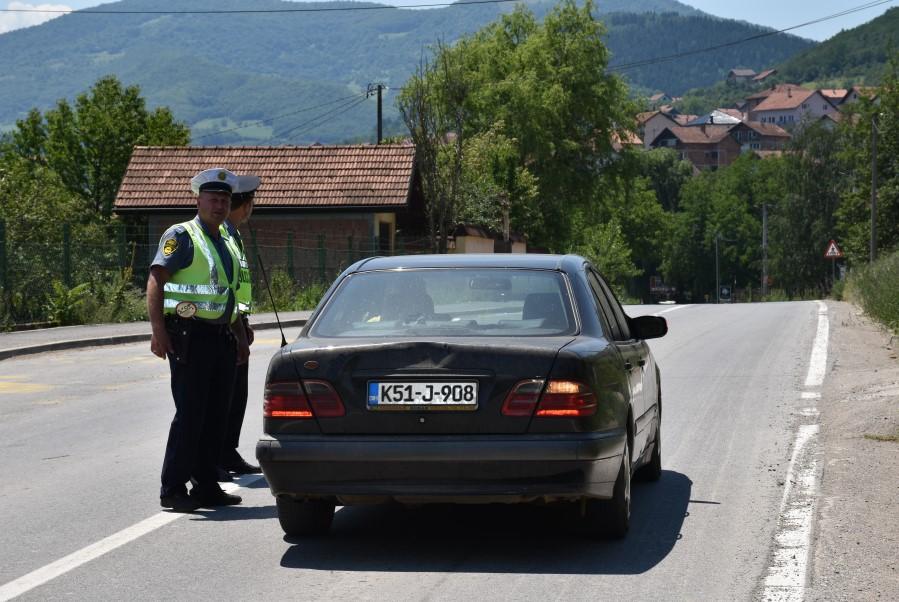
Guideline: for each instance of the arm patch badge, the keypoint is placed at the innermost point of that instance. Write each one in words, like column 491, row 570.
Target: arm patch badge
column 169, row 247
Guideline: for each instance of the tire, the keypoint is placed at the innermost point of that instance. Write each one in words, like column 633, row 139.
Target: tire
column 309, row 517
column 652, row 470
column 612, row 518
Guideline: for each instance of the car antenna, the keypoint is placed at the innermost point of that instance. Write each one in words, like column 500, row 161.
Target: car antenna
column 267, row 287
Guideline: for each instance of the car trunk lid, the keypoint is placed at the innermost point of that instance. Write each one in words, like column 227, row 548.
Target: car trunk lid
column 356, row 367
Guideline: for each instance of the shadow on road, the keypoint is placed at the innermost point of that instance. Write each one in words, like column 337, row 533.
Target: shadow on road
column 496, row 538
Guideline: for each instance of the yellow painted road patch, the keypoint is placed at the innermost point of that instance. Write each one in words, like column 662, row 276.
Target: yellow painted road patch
column 14, row 388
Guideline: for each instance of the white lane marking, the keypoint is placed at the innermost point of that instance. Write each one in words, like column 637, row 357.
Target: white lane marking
column 789, row 563
column 675, row 308
column 40, row 576
column 818, row 362
column 788, row 568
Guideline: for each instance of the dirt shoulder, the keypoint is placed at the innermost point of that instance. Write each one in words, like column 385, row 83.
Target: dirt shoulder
column 856, row 547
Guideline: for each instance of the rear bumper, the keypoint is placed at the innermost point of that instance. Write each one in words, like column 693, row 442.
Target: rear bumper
column 359, row 469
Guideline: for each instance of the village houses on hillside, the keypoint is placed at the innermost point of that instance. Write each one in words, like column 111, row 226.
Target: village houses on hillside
column 760, row 124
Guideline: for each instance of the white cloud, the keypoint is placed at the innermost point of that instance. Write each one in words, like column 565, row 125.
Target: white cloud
column 16, row 20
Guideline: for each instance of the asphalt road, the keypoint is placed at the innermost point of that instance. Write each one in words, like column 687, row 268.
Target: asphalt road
column 82, row 434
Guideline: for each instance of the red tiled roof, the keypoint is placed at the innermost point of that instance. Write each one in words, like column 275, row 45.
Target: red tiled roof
column 782, row 100
column 699, row 134
column 769, row 91
column 764, row 74
column 837, row 94
column 767, row 129
column 292, row 176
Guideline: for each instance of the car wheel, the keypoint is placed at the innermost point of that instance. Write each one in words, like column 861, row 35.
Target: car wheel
column 652, row 471
column 611, row 518
column 309, row 517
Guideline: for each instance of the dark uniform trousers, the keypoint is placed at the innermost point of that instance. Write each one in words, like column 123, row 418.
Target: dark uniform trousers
column 236, row 415
column 202, row 371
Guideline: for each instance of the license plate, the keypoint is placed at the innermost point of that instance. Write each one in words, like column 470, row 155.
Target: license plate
column 423, row 395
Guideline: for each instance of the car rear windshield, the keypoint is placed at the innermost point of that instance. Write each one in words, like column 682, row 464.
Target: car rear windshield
column 447, row 303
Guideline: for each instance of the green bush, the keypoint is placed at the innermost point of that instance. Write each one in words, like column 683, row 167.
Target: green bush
column 875, row 288
column 287, row 293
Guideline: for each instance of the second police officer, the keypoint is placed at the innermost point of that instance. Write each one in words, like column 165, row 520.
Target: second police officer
column 193, row 313
column 230, row 460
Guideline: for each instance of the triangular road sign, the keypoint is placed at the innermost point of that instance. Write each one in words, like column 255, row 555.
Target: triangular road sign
column 833, row 251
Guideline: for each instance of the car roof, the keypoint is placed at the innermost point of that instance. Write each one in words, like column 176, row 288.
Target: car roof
column 474, row 260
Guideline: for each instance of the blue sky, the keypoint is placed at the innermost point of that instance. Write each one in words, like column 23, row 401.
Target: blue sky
column 773, row 13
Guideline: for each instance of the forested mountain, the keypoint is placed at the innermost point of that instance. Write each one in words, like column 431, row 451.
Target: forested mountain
column 855, row 56
column 220, row 71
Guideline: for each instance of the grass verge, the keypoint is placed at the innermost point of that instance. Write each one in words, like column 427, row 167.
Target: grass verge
column 875, row 288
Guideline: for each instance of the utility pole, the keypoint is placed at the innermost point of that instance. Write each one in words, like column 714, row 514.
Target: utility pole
column 377, row 89
column 717, row 284
column 873, row 188
column 764, row 249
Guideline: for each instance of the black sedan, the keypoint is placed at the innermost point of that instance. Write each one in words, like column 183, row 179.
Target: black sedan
column 464, row 379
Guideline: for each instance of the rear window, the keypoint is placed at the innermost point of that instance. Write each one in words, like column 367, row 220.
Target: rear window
column 447, row 303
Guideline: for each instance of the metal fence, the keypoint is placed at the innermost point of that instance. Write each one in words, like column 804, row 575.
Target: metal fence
column 38, row 266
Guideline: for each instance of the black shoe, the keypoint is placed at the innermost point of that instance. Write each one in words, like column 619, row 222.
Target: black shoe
column 223, row 476
column 240, row 466
column 179, row 502
column 213, row 498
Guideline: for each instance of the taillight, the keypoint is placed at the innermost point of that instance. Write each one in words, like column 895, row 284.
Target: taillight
column 325, row 401
column 285, row 400
column 566, row 399
column 522, row 399
column 288, row 400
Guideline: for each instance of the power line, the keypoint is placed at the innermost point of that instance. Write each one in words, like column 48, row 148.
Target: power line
column 662, row 59
column 318, row 9
column 321, row 119
column 270, row 119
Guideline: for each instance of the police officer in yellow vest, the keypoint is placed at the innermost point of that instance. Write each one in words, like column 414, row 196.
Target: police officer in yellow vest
column 241, row 208
column 193, row 312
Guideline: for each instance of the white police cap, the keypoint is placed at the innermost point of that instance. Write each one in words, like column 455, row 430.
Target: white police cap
column 246, row 184
column 217, row 179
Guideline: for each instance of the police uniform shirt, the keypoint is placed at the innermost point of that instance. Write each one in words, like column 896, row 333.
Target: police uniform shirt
column 176, row 252
column 234, row 233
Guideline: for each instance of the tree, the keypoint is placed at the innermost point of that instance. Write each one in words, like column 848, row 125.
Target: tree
column 432, row 106
column 495, row 186
column 803, row 221
column 88, row 146
column 548, row 85
column 853, row 215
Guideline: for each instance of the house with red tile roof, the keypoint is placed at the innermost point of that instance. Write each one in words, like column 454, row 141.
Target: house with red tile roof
column 652, row 123
column 755, row 136
column 788, row 106
column 705, row 146
column 857, row 92
column 343, row 202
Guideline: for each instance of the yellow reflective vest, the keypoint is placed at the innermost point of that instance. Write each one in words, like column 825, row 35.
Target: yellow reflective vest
column 201, row 289
column 245, row 289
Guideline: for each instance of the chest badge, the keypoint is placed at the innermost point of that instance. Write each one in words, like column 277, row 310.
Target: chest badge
column 186, row 309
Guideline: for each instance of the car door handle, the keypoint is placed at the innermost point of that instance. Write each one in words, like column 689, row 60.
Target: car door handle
column 628, row 366
column 641, row 363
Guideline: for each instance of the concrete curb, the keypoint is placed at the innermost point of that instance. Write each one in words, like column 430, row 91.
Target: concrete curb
column 115, row 340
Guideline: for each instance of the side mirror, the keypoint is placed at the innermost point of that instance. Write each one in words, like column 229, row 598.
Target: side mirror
column 648, row 327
